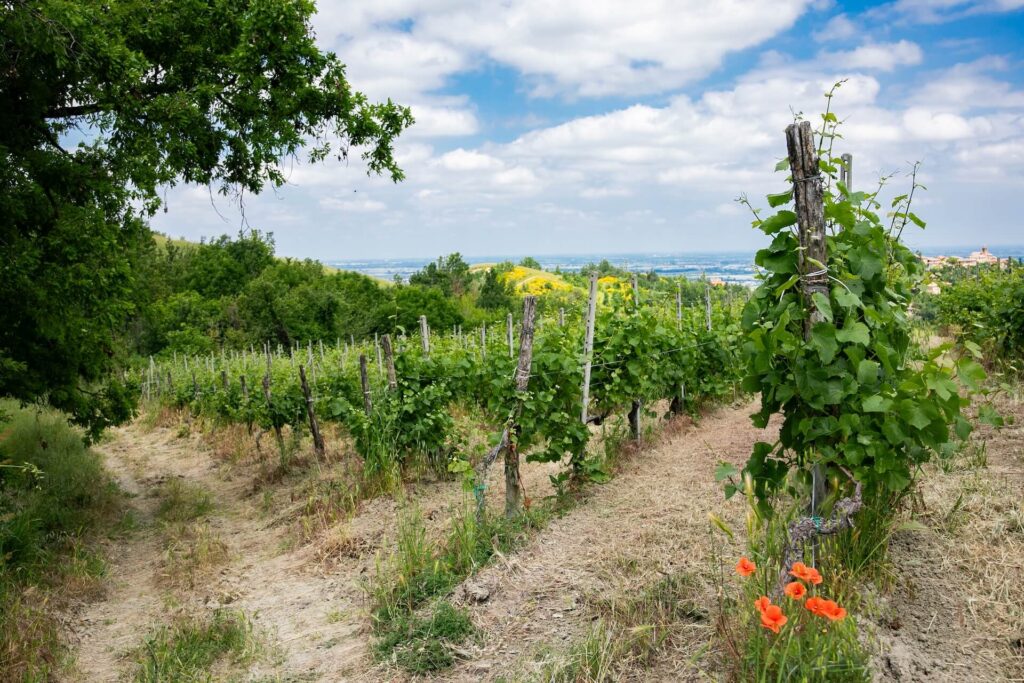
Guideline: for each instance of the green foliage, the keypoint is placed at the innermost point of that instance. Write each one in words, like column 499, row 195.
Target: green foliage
column 856, row 394
column 52, row 490
column 190, row 648
column 212, row 93
column 495, row 292
column 53, row 495
column 422, row 644
column 530, row 262
column 984, row 306
column 450, row 274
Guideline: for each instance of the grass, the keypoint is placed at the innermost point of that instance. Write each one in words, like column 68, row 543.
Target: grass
column 182, row 501
column 630, row 631
column 54, row 496
column 421, row 643
column 190, row 545
column 415, row 628
column 196, row 648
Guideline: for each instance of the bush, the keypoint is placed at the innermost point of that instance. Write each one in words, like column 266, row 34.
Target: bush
column 53, row 492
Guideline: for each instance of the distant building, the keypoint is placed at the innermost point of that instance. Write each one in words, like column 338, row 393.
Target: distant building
column 983, row 257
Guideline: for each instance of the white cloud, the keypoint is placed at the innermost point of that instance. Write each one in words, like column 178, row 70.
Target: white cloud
column 838, row 28
column 360, row 205
column 576, row 47
column 876, row 56
column 464, row 160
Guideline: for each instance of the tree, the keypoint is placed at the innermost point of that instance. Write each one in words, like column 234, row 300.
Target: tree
column 449, row 273
column 105, row 102
column 495, row 292
column 530, row 262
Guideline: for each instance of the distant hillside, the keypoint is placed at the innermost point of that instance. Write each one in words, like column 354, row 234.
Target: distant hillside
column 529, row 280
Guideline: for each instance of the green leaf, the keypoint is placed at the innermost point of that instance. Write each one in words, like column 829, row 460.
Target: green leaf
column 821, row 303
column 780, row 198
column 847, row 299
column 725, row 470
column 917, row 221
column 786, row 285
column 867, row 372
column 780, row 221
column 823, row 339
column 876, row 404
column 782, row 165
column 970, row 373
column 854, row 333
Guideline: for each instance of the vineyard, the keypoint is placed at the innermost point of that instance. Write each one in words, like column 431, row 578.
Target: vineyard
column 395, row 397
column 221, row 463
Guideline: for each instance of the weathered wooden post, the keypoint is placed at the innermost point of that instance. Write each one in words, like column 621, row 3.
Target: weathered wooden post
column 679, row 305
column 389, row 356
column 812, row 260
column 561, row 317
column 513, row 482
column 483, row 341
column 588, row 347
column 508, row 442
column 314, row 426
column 707, row 304
column 376, row 347
column 508, row 333
column 636, row 291
column 425, row 335
column 846, row 171
column 364, row 380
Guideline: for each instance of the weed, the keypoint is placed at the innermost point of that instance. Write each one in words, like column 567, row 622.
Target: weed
column 53, row 496
column 182, row 501
column 189, row 648
column 421, row 644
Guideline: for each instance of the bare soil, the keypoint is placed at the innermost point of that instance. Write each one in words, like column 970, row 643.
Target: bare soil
column 955, row 611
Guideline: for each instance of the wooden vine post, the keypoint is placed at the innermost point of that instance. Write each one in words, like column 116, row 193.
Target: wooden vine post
column 270, row 409
column 588, row 348
column 508, row 442
column 364, row 381
column 389, row 358
column 513, row 482
column 314, row 426
column 508, row 334
column 808, row 196
column 425, row 335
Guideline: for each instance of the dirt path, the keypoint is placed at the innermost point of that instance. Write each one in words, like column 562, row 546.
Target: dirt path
column 309, row 618
column 651, row 521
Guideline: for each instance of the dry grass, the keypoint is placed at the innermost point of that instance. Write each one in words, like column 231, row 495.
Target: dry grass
column 957, row 611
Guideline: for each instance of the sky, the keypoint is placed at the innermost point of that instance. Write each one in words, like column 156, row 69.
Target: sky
column 604, row 126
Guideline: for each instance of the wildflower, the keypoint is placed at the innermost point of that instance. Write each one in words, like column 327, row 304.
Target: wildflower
column 795, row 590
column 805, row 573
column 815, row 606
column 825, row 608
column 745, row 567
column 832, row 611
column 762, row 603
column 772, row 618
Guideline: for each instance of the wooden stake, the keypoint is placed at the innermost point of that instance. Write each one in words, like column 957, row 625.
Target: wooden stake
column 808, row 195
column 588, row 347
column 679, row 305
column 513, row 482
column 364, row 380
column 508, row 333
column 389, row 356
column 270, row 406
column 425, row 335
column 314, row 426
column 561, row 317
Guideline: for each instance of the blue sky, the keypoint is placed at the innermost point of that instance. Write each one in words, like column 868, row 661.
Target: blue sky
column 602, row 126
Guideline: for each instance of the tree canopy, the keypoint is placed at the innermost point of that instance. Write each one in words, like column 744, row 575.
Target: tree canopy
column 107, row 102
